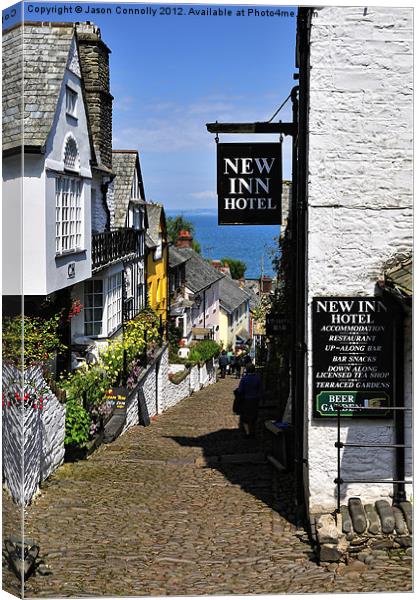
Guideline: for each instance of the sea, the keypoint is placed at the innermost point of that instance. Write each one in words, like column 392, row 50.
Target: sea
column 253, row 244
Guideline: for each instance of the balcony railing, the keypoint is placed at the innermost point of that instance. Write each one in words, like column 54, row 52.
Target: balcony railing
column 112, row 246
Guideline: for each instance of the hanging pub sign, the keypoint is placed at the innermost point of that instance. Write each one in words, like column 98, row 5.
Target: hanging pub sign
column 249, row 184
column 276, row 324
column 353, row 353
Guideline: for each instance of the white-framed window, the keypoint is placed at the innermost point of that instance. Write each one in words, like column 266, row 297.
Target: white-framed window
column 68, row 214
column 114, row 301
column 93, row 307
column 71, row 101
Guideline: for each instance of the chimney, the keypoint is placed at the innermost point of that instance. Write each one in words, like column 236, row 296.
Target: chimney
column 265, row 284
column 184, row 239
column 222, row 268
column 94, row 62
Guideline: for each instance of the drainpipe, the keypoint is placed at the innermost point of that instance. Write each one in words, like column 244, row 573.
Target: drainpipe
column 300, row 109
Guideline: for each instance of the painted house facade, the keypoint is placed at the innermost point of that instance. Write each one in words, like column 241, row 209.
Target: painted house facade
column 180, row 304
column 202, row 287
column 157, row 260
column 234, row 313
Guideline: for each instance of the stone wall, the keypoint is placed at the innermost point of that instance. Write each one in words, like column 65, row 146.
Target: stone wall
column 94, row 61
column 359, row 203
column 160, row 393
column 33, row 439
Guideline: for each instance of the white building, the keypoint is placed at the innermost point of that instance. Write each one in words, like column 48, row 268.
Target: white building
column 75, row 229
column 358, row 63
column 47, row 220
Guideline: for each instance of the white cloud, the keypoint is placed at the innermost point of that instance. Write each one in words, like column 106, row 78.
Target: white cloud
column 207, row 195
column 165, row 126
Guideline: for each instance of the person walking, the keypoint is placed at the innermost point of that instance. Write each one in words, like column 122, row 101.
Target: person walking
column 246, row 362
column 250, row 389
column 237, row 365
column 230, row 360
column 223, row 362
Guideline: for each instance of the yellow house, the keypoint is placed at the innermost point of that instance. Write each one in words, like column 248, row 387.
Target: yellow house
column 234, row 313
column 157, row 260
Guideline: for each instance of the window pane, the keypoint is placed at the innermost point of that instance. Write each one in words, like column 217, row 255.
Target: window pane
column 97, row 329
column 98, row 312
column 98, row 285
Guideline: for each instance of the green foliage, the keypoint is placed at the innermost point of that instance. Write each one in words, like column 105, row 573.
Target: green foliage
column 177, row 224
column 77, row 424
column 196, row 246
column 204, row 350
column 174, row 335
column 237, row 267
column 92, row 381
column 40, row 339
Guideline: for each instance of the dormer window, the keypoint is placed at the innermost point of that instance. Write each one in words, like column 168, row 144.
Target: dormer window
column 71, row 154
column 71, row 102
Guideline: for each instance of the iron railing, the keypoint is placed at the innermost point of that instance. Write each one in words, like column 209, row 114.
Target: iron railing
column 112, row 246
column 339, row 445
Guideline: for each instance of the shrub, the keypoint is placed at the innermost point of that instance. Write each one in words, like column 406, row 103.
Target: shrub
column 205, row 350
column 77, row 423
column 88, row 381
column 40, row 339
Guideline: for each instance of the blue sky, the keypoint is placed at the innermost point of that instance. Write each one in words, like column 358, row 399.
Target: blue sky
column 172, row 74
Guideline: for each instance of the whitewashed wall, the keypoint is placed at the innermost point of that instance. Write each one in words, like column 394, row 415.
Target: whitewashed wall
column 160, row 393
column 359, row 197
column 33, row 439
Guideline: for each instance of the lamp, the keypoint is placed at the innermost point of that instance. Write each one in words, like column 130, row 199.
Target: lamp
column 198, row 300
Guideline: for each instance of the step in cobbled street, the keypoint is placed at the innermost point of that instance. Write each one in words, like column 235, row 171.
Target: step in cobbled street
column 183, row 507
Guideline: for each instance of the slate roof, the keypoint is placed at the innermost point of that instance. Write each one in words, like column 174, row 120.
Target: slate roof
column 176, row 258
column 154, row 215
column 231, row 294
column 199, row 273
column 38, row 73
column 253, row 298
column 124, row 163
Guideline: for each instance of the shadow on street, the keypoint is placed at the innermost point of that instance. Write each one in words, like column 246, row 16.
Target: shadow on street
column 242, row 462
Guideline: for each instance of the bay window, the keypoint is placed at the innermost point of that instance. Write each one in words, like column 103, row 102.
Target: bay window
column 68, row 214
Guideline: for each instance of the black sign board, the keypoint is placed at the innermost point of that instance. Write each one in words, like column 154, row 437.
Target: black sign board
column 276, row 324
column 249, row 184
column 118, row 395
column 352, row 356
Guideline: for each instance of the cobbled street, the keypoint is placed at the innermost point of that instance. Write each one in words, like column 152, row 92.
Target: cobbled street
column 179, row 509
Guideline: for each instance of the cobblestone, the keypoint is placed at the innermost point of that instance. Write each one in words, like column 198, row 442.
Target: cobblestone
column 150, row 515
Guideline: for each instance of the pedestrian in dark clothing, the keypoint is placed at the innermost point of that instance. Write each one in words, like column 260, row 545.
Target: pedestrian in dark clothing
column 237, row 365
column 246, row 362
column 250, row 389
column 223, row 362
